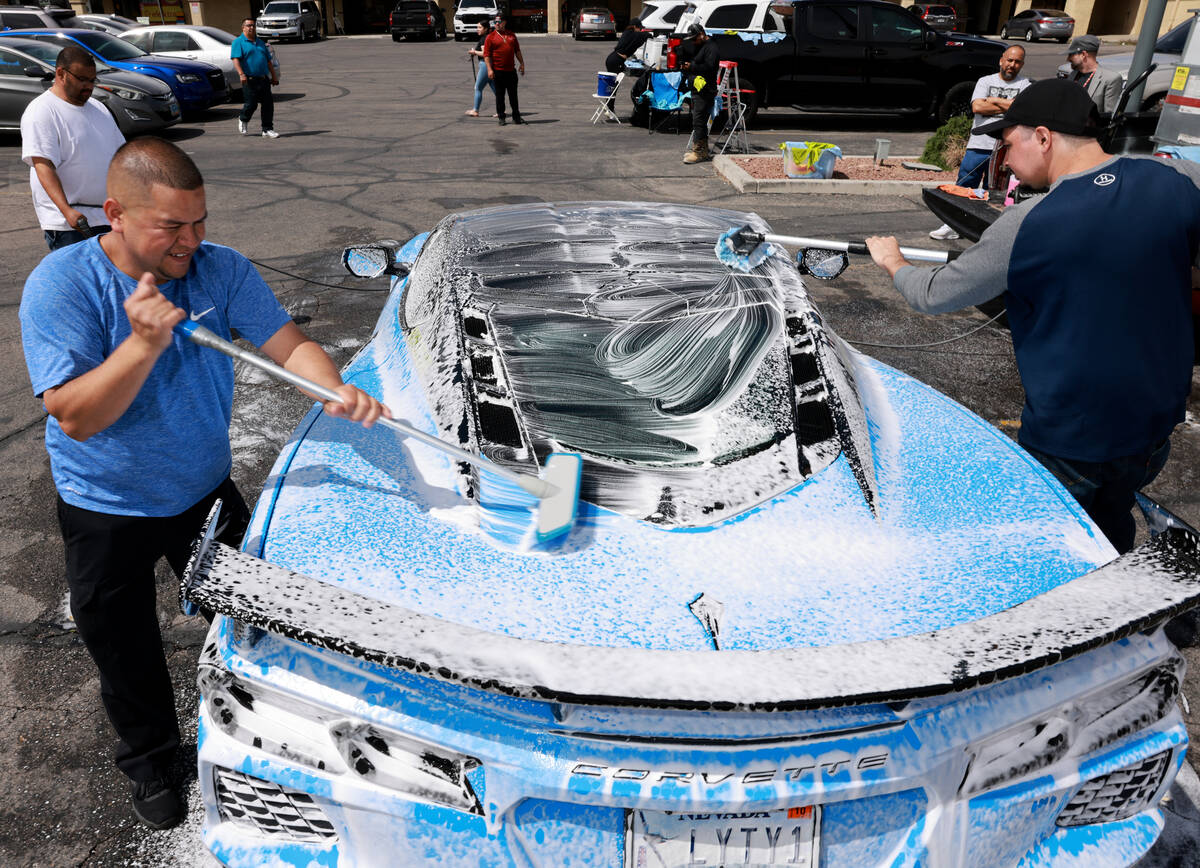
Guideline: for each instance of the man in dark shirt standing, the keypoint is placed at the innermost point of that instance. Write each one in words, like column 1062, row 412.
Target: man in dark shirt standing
column 702, row 67
column 1103, row 340
column 499, row 50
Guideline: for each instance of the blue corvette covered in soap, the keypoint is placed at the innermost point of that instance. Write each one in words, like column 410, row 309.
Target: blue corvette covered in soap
column 811, row 612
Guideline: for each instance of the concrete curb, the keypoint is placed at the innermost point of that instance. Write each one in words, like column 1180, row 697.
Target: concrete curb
column 744, row 182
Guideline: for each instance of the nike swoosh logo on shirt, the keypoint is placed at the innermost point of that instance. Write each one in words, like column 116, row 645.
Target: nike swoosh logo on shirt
column 196, row 316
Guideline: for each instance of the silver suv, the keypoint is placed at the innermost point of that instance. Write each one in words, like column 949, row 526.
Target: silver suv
column 290, row 19
column 35, row 18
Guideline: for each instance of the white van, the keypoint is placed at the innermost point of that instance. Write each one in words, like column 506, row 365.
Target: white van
column 661, row 16
column 753, row 16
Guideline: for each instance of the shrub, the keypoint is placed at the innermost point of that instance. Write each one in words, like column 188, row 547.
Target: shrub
column 947, row 145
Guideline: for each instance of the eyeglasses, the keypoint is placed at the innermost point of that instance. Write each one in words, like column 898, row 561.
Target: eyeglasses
column 80, row 78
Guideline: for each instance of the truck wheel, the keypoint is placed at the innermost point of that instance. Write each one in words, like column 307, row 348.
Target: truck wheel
column 1004, row 32
column 395, row 37
column 749, row 104
column 956, row 102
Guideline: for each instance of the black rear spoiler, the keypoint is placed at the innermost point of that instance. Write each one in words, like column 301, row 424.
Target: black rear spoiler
column 1135, row 592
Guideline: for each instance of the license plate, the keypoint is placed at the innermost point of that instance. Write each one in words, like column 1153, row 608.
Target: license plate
column 658, row 839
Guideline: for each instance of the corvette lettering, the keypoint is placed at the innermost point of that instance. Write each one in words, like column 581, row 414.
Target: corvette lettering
column 862, row 762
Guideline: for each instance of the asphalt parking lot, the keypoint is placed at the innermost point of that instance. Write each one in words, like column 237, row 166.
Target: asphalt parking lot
column 375, row 145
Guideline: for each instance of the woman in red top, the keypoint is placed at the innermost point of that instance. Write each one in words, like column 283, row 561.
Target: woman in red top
column 499, row 50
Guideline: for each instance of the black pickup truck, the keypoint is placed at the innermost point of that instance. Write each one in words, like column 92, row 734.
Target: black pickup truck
column 859, row 56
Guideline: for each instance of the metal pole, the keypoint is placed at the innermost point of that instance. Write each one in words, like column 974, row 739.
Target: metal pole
column 1151, row 23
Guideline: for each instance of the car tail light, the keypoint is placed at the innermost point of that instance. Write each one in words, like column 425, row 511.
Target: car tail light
column 1164, row 155
column 391, row 19
column 429, row 20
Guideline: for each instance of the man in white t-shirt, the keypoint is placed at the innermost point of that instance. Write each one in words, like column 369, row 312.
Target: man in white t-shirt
column 68, row 139
column 991, row 98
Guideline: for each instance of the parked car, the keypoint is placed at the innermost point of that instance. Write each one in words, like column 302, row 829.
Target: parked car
column 196, row 85
column 937, row 16
column 811, row 611
column 290, row 19
column 191, row 42
column 1034, row 24
column 414, row 18
column 111, row 23
column 138, row 103
column 661, row 16
column 468, row 13
column 594, row 21
column 756, row 16
column 1168, row 49
column 862, row 56
column 21, row 17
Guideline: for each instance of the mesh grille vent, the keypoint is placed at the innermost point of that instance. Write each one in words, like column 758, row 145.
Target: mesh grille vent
column 271, row 809
column 1117, row 795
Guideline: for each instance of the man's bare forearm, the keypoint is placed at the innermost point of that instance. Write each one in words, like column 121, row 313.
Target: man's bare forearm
column 47, row 176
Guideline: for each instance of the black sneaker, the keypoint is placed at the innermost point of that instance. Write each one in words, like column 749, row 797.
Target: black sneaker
column 156, row 804
column 501, row 121
column 517, row 120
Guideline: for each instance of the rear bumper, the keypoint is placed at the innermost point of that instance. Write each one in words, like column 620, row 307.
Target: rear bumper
column 551, row 790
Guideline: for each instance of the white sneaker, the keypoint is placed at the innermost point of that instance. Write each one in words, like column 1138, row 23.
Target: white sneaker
column 242, row 127
column 945, row 233
column 271, row 134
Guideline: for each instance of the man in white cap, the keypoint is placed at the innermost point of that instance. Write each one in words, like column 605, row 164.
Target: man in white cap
column 1102, row 85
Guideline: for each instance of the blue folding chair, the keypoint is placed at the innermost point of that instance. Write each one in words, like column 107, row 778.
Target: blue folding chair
column 666, row 95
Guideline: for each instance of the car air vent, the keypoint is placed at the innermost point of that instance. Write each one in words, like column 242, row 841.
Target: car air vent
column 483, row 369
column 475, row 326
column 498, row 422
column 814, row 419
column 269, row 808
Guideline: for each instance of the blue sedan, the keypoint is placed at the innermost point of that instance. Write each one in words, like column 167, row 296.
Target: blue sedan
column 196, row 85
column 809, row 612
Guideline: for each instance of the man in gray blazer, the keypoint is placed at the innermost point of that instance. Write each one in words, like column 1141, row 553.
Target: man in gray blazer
column 1102, row 85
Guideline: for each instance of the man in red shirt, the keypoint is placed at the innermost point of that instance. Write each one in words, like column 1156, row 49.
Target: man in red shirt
column 499, row 50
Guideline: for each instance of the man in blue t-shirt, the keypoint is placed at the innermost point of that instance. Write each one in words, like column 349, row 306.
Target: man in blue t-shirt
column 138, row 432
column 1096, row 277
column 252, row 59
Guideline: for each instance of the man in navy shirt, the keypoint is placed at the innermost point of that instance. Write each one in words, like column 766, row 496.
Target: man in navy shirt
column 1096, row 276
column 252, row 58
column 138, row 431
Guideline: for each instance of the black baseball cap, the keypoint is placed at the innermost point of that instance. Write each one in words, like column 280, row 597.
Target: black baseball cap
column 1058, row 104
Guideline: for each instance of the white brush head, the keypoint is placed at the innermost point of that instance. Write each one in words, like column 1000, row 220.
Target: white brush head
column 556, row 511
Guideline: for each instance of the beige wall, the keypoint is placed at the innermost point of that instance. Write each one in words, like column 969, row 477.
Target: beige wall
column 1111, row 17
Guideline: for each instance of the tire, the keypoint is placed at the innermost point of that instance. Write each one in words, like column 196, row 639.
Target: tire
column 395, row 37
column 1004, row 32
column 957, row 101
column 1029, row 37
column 641, row 115
column 575, row 34
column 1062, row 40
column 749, row 102
column 1153, row 103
